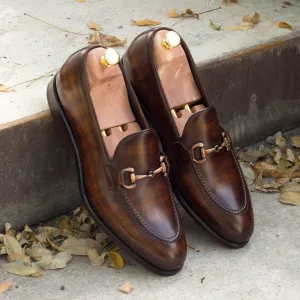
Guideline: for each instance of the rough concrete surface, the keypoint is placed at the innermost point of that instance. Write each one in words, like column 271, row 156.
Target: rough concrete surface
column 255, row 92
column 37, row 171
column 268, row 268
column 29, row 48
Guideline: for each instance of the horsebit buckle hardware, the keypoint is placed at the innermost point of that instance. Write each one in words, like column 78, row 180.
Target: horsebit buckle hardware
column 226, row 143
column 132, row 177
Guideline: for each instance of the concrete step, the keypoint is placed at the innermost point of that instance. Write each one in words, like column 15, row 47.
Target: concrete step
column 37, row 171
column 251, row 77
column 256, row 90
column 256, row 94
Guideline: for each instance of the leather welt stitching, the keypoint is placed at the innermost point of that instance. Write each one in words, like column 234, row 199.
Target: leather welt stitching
column 242, row 179
column 174, row 208
column 205, row 189
column 149, row 230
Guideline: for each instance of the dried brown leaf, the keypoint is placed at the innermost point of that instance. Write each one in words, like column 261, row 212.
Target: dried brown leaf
column 269, row 170
column 280, row 141
column 127, row 288
column 277, row 156
column 2, row 249
column 53, row 231
column 190, row 13
column 64, row 222
column 255, row 19
column 296, row 141
column 37, row 253
column 286, row 25
column 100, row 260
column 290, row 198
column 12, row 245
column 45, row 261
column 79, row 246
column 100, row 237
column 249, row 174
column 290, row 172
column 59, row 261
column 287, row 3
column 52, row 244
column 242, row 27
column 7, row 227
column 146, row 22
column 95, row 258
column 291, row 187
column 173, row 13
column 92, row 253
column 283, row 181
column 17, row 257
column 252, row 155
column 290, row 155
column 272, row 187
column 269, row 188
column 4, row 287
column 38, row 273
column 42, row 237
column 115, row 260
column 94, row 26
column 105, row 40
column 213, row 26
column 5, row 89
column 27, row 229
column 20, row 269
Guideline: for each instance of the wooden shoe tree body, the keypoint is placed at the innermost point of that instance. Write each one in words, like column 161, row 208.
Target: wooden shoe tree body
column 110, row 99
column 177, row 81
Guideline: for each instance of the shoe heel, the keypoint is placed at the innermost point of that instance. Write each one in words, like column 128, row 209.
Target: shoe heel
column 52, row 98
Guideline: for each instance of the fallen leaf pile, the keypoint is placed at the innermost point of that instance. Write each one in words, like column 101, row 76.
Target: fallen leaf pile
column 29, row 252
column 274, row 167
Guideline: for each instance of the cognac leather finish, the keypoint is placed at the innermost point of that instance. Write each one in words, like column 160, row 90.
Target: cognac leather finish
column 143, row 220
column 214, row 192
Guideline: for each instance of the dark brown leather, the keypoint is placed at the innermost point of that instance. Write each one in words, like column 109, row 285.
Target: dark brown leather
column 214, row 192
column 144, row 218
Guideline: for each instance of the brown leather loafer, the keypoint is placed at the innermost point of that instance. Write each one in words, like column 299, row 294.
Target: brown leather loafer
column 207, row 179
column 123, row 175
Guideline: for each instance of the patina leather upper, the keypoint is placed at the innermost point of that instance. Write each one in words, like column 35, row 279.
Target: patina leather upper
column 215, row 191
column 145, row 217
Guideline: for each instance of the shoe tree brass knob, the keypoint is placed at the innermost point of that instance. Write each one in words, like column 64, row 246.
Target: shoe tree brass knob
column 110, row 58
column 171, row 40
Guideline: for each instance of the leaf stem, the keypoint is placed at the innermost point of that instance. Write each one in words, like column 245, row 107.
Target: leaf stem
column 55, row 25
column 31, row 80
column 196, row 14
